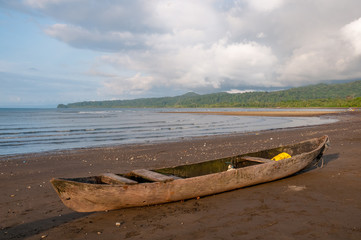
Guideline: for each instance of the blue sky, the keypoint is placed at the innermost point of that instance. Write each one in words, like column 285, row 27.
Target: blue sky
column 62, row 51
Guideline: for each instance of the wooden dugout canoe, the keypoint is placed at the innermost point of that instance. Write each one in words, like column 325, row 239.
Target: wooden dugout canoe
column 143, row 187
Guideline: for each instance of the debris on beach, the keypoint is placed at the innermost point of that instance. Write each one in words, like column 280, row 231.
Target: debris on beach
column 296, row 188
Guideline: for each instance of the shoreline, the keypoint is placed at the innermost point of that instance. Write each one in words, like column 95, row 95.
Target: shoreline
column 295, row 114
column 327, row 206
column 265, row 113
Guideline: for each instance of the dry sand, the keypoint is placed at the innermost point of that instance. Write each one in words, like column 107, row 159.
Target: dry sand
column 318, row 203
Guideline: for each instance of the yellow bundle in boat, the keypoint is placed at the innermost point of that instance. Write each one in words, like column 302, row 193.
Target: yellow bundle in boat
column 281, row 156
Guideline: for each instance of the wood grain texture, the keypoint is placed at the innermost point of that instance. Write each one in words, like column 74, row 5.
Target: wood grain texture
column 151, row 176
column 111, row 178
column 83, row 196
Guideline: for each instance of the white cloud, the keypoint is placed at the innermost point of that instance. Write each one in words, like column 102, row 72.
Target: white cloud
column 265, row 5
column 200, row 66
column 96, row 40
column 332, row 56
column 261, row 35
column 352, row 32
column 236, row 91
column 175, row 15
column 43, row 3
column 134, row 85
column 208, row 46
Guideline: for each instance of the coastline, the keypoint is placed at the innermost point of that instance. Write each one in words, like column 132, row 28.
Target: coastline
column 265, row 113
column 23, row 133
column 322, row 203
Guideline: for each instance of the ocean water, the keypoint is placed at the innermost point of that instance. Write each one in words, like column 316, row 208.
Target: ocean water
column 39, row 130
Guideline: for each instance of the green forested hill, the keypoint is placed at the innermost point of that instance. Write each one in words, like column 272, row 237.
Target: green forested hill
column 320, row 95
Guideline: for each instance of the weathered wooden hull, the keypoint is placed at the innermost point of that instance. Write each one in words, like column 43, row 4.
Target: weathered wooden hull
column 82, row 196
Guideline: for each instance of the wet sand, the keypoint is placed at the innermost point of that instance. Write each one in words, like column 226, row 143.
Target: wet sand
column 266, row 113
column 318, row 203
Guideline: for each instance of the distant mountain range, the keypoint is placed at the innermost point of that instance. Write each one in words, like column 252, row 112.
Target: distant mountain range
column 320, row 95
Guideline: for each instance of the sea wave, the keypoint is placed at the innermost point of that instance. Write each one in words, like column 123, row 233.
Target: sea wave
column 37, row 130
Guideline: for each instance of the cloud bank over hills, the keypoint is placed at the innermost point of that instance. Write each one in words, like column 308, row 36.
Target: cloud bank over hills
column 144, row 47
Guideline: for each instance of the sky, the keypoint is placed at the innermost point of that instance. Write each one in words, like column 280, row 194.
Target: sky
column 63, row 51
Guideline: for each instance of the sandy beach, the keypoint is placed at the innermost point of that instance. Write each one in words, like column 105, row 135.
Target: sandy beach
column 317, row 203
column 265, row 113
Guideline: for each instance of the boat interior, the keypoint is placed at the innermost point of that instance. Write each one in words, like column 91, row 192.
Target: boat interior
column 196, row 169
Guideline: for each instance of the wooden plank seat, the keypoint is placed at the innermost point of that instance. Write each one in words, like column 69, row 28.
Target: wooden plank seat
column 257, row 159
column 152, row 176
column 111, row 178
column 175, row 177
